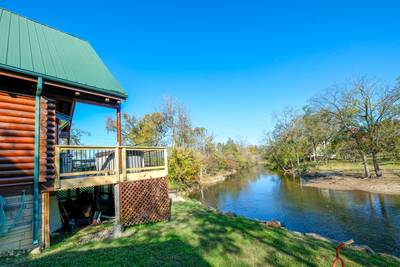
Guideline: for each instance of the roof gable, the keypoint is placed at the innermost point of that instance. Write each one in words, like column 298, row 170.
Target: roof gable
column 33, row 48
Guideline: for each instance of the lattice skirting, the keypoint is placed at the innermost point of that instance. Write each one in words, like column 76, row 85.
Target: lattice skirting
column 144, row 201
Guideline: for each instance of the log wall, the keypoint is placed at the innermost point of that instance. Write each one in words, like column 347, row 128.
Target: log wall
column 17, row 137
column 17, row 132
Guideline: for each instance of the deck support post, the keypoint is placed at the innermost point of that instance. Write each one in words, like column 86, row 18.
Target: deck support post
column 36, row 162
column 46, row 219
column 116, row 204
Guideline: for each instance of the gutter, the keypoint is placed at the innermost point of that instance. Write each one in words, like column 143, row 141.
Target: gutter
column 36, row 163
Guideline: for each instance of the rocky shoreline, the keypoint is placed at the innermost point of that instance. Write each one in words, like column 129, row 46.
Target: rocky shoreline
column 278, row 224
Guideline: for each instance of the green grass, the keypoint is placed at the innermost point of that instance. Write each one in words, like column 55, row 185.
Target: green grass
column 197, row 237
column 338, row 165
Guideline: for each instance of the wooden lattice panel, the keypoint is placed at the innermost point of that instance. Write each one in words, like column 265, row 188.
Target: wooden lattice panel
column 144, row 201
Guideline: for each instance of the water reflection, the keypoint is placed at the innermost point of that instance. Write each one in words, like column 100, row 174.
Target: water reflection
column 371, row 219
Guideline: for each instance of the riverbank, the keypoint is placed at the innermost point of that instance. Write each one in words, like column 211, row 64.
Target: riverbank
column 388, row 184
column 195, row 236
column 206, row 180
column 347, row 176
column 213, row 179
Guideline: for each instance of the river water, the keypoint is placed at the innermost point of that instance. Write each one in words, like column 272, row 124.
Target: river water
column 368, row 218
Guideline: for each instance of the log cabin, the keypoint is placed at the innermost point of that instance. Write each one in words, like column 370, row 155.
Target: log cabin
column 47, row 183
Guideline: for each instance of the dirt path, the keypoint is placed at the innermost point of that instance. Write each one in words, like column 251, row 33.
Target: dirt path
column 347, row 181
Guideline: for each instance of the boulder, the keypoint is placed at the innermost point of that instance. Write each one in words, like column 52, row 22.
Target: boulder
column 273, row 223
column 297, row 233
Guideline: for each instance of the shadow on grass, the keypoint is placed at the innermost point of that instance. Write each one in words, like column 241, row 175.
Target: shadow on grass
column 216, row 231
column 194, row 235
column 281, row 246
column 172, row 252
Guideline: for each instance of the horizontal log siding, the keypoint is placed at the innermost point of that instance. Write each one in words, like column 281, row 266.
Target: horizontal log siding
column 17, row 132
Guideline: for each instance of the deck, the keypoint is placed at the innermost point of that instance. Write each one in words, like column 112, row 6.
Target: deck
column 81, row 166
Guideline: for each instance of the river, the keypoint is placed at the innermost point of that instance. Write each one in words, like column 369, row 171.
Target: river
column 368, row 218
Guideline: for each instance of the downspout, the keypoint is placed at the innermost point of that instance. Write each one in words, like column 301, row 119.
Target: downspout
column 36, row 163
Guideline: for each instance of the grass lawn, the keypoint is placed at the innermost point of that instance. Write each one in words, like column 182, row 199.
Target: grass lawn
column 338, row 165
column 195, row 237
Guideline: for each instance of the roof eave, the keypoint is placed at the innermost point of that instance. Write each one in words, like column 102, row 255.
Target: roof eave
column 121, row 95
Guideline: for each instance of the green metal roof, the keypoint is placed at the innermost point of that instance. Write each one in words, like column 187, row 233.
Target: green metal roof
column 36, row 49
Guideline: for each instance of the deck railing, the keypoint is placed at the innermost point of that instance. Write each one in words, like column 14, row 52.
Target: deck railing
column 78, row 166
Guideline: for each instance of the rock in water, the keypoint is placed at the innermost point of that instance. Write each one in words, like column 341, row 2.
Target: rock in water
column 273, row 223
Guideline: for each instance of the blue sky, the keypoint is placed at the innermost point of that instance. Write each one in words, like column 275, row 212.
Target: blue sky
column 232, row 63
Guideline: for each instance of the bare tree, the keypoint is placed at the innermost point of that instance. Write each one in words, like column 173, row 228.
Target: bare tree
column 179, row 123
column 337, row 105
column 360, row 107
column 375, row 104
column 76, row 136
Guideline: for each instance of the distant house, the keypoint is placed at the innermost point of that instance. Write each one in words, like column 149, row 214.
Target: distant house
column 44, row 185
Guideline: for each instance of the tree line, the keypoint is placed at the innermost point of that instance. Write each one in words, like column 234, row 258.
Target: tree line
column 356, row 120
column 193, row 151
